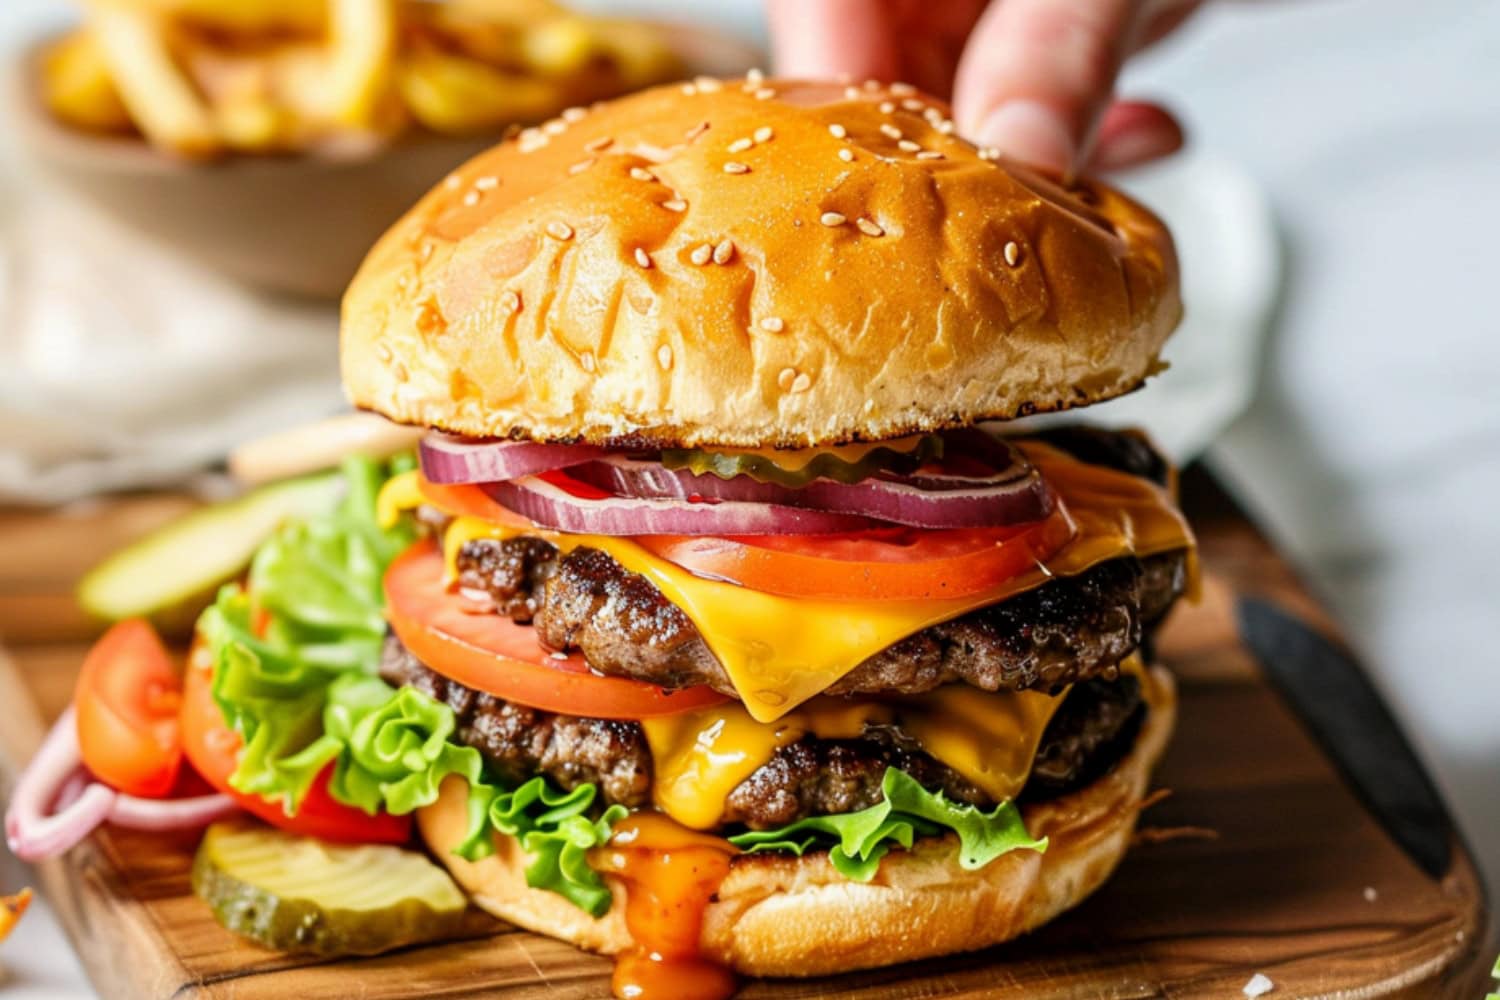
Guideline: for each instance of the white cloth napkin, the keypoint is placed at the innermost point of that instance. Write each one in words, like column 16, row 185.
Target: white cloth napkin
column 122, row 364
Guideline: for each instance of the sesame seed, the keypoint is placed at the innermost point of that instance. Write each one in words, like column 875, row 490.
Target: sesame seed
column 599, row 145
column 847, row 155
column 886, row 107
column 581, row 166
column 832, row 219
column 786, row 378
column 587, row 360
column 471, row 199
column 734, row 167
column 838, row 131
column 511, row 301
column 708, row 84
column 696, row 131
column 1012, row 253
column 486, row 183
column 426, row 250
column 912, row 104
column 532, row 140
column 675, row 205
column 555, row 127
column 772, row 324
column 764, row 94
column 869, row 405
column 869, row 227
column 724, row 252
column 764, row 134
column 701, row 254
column 664, row 356
column 907, row 146
column 754, row 75
column 929, row 154
column 689, row 89
column 573, row 114
column 740, row 145
column 559, row 230
column 989, row 153
column 903, row 89
column 802, row 382
column 642, row 257
column 946, row 126
column 642, row 174
column 852, row 93
column 933, row 115
column 889, row 130
column 451, row 182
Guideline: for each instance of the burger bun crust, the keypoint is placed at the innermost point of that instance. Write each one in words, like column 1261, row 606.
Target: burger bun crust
column 776, row 264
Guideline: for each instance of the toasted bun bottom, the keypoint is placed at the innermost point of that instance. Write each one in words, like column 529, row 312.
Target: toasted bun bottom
column 786, row 916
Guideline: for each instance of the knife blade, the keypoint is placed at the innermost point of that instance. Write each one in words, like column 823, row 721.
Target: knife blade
column 1331, row 694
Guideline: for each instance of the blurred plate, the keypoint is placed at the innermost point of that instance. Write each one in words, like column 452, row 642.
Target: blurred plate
column 297, row 224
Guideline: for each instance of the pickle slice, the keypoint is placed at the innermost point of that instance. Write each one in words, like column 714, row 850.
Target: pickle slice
column 171, row 575
column 845, row 463
column 300, row 894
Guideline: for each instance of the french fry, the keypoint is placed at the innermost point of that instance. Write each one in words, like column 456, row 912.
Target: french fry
column 362, row 47
column 559, row 46
column 638, row 51
column 250, row 124
column 11, row 909
column 244, row 16
column 77, row 88
column 456, row 95
column 159, row 97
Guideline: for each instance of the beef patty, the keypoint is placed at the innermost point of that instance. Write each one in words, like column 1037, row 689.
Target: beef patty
column 1062, row 632
column 1091, row 730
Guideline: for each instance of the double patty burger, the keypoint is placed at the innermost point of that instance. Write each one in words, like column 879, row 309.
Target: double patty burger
column 725, row 521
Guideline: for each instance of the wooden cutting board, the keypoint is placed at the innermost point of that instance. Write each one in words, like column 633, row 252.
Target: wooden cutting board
column 1260, row 861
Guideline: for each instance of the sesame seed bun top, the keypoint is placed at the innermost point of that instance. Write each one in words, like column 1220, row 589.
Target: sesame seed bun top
column 753, row 263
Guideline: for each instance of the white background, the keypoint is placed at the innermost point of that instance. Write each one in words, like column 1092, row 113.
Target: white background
column 1372, row 449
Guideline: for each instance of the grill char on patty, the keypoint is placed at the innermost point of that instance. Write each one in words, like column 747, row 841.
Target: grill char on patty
column 1092, row 729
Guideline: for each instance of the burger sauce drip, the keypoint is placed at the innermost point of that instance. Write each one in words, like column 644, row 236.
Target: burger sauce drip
column 670, row 874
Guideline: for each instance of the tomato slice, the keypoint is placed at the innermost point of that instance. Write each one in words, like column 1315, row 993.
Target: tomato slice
column 473, row 501
column 127, row 699
column 887, row 564
column 491, row 653
column 214, row 751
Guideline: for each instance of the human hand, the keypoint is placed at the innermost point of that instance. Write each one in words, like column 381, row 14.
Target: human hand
column 1033, row 78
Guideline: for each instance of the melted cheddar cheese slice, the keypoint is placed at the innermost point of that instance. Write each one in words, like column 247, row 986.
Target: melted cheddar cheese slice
column 700, row 757
column 779, row 651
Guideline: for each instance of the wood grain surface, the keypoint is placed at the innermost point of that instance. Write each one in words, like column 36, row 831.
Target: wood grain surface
column 1260, row 860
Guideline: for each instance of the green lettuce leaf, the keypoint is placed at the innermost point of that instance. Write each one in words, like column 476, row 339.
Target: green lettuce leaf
column 305, row 695
column 857, row 841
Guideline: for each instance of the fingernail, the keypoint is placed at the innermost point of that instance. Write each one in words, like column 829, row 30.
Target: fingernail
column 1028, row 131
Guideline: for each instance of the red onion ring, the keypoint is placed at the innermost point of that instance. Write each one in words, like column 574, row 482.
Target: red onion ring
column 448, row 460
column 170, row 814
column 56, row 779
column 549, row 504
column 1012, row 494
